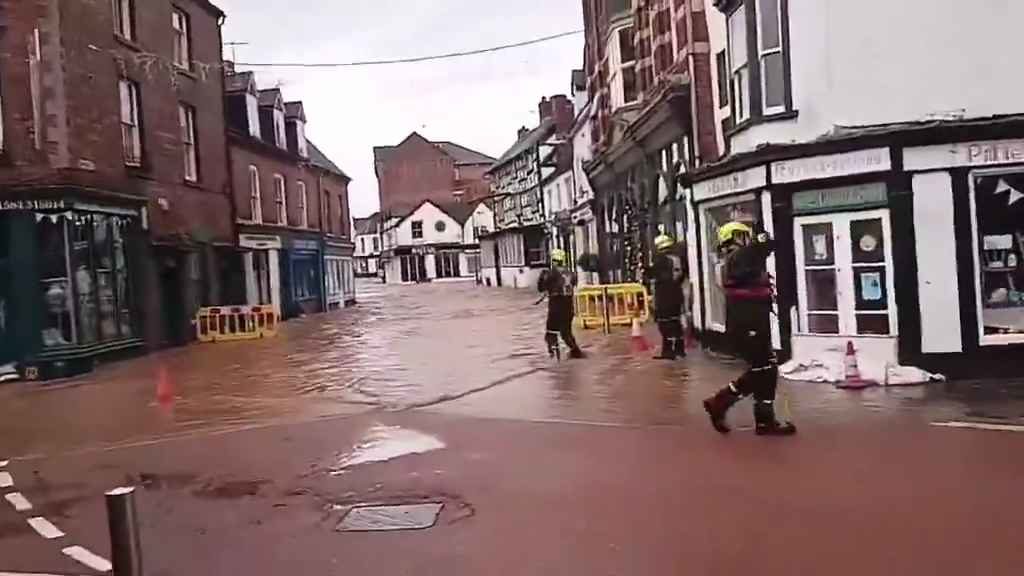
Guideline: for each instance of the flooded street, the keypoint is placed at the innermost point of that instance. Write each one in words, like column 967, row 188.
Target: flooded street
column 442, row 398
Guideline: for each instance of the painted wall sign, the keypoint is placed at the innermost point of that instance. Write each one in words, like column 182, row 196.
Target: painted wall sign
column 11, row 205
column 831, row 166
column 734, row 183
column 987, row 153
column 835, row 199
column 308, row 245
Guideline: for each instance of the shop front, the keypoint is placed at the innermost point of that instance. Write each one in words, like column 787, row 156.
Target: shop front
column 339, row 274
column 911, row 250
column 67, row 284
column 302, row 283
column 261, row 262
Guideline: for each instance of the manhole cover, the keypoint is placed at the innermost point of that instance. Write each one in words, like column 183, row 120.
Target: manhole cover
column 384, row 518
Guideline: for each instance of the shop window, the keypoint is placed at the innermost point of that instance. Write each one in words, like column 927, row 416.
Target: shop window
column 714, row 216
column 999, row 225
column 447, row 265
column 84, row 279
column 305, row 279
column 261, row 268
column 473, row 264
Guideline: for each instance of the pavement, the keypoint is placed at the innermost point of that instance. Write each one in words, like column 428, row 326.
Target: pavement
column 443, row 394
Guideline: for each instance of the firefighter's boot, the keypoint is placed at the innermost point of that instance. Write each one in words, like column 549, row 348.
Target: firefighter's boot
column 718, row 406
column 767, row 425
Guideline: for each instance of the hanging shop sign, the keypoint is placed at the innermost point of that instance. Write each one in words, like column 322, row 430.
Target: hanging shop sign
column 734, row 183
column 13, row 205
column 837, row 199
column 831, row 166
column 987, row 153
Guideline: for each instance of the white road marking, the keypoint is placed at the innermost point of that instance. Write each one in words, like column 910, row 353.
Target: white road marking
column 28, row 574
column 84, row 556
column 980, row 426
column 6, row 480
column 45, row 528
column 20, row 503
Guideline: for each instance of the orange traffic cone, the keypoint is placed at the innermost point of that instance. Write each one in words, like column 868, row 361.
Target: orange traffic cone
column 164, row 388
column 637, row 338
column 853, row 379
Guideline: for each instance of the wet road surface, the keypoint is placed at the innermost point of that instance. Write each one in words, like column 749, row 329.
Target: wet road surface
column 443, row 394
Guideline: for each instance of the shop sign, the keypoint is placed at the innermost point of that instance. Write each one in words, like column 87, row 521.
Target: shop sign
column 734, row 183
column 307, row 245
column 836, row 199
column 990, row 153
column 259, row 242
column 831, row 166
column 11, row 205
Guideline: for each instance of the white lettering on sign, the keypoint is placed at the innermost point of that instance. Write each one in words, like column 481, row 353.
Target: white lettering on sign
column 831, row 166
column 736, row 182
column 31, row 204
column 987, row 153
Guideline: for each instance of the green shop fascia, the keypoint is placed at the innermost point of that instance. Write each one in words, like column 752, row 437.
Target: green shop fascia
column 67, row 292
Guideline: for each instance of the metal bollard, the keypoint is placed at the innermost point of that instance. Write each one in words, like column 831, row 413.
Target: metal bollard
column 125, row 546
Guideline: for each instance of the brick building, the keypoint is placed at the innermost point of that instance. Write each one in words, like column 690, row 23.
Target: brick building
column 417, row 170
column 291, row 205
column 648, row 68
column 113, row 180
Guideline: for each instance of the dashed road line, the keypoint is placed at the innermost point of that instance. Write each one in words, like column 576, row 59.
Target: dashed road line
column 84, row 556
column 18, row 500
column 6, row 480
column 45, row 528
column 980, row 426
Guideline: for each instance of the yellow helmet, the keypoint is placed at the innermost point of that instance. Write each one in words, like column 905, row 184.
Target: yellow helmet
column 558, row 256
column 728, row 231
column 664, row 242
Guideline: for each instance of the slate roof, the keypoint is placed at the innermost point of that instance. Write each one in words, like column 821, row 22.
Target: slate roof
column 367, row 225
column 269, row 97
column 294, row 110
column 529, row 140
column 463, row 155
column 238, row 82
column 320, row 160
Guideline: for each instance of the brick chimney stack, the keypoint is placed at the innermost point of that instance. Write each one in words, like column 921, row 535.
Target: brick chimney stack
column 564, row 113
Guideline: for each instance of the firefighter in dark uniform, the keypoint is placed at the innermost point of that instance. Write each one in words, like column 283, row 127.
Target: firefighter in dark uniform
column 667, row 274
column 749, row 295
column 557, row 283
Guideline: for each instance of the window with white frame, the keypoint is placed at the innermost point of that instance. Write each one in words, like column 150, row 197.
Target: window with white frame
column 997, row 205
column 627, row 57
column 123, row 19
column 769, row 42
column 758, row 70
column 279, row 133
column 255, row 200
column 182, row 50
column 187, row 119
column 131, row 128
column 300, row 139
column 303, row 200
column 739, row 71
column 280, row 201
column 252, row 111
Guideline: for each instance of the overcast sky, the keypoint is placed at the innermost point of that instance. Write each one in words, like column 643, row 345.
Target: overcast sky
column 477, row 101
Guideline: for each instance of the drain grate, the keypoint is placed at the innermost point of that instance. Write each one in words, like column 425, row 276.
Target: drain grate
column 388, row 518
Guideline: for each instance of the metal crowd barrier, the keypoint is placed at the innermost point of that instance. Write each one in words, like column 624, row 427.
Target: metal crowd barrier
column 611, row 305
column 232, row 323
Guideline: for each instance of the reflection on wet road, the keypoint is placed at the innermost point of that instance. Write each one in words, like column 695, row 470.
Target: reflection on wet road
column 451, row 347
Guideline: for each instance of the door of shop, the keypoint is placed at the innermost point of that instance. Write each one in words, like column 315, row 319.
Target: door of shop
column 414, row 268
column 844, row 274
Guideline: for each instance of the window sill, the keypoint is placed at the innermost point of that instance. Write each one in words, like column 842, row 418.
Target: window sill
column 128, row 43
column 749, row 122
column 139, row 171
column 186, row 72
column 193, row 184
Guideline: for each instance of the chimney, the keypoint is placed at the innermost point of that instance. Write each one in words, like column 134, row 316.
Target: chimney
column 523, row 131
column 545, row 108
column 564, row 113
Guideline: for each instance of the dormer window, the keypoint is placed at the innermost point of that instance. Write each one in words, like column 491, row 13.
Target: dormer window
column 252, row 112
column 279, row 137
